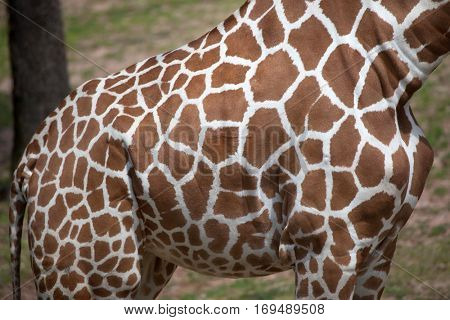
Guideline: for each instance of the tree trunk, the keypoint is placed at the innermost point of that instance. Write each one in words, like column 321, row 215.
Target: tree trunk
column 38, row 65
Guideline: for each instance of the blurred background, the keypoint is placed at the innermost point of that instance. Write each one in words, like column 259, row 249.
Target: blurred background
column 116, row 33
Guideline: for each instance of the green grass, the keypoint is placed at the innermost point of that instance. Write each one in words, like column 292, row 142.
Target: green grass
column 438, row 230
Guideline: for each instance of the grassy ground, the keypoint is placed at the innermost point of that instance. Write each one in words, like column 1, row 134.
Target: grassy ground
column 118, row 33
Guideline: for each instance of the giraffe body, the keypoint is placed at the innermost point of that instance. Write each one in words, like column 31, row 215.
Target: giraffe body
column 282, row 139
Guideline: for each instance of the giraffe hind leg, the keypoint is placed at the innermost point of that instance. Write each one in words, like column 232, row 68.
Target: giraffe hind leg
column 96, row 258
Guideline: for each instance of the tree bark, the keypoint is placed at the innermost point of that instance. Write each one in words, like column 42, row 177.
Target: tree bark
column 38, row 66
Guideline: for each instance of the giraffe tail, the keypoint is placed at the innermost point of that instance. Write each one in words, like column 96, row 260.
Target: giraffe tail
column 17, row 208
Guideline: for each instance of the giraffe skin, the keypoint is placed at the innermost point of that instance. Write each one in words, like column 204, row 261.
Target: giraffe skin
column 282, row 139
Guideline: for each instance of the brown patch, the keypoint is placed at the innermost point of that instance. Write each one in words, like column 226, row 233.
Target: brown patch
column 251, row 234
column 400, row 9
column 312, row 150
column 66, row 257
column 293, row 9
column 305, row 222
column 117, row 158
column 342, row 16
column 57, row 213
column 214, row 37
column 111, row 81
column 381, row 124
column 269, row 181
column 117, row 190
column 232, row 206
column 423, row 160
column 144, row 139
column 260, row 8
column 344, row 144
column 370, row 169
column 298, row 106
column 272, row 29
column 220, row 143
column 181, row 80
column 342, row 72
column 85, row 234
column 202, row 61
column 67, row 118
column 343, row 242
column 84, row 106
column 400, row 174
column 196, row 191
column 46, row 194
column 265, row 136
column 67, row 139
column 73, row 199
column 219, row 232
column 123, row 123
column 382, row 78
column 372, row 30
column 196, row 87
column 228, row 105
column 290, row 161
column 178, row 162
column 348, row 289
column 152, row 95
column 236, row 178
column 228, row 73
column 108, row 265
column 311, row 42
column 173, row 219
column 176, row 55
column 242, row 43
column 66, row 179
column 106, row 224
column 98, row 150
column 80, row 213
column 101, row 250
column 314, row 190
column 90, row 86
column 170, row 73
column 273, row 77
column 104, row 101
column 317, row 289
column 130, row 99
column 188, row 128
column 71, row 280
column 150, row 75
column 164, row 201
column 50, row 244
column 367, row 217
column 332, row 273
column 344, row 190
column 95, row 200
column 167, row 110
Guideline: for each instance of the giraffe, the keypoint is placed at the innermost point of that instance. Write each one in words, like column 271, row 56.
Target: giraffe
column 280, row 140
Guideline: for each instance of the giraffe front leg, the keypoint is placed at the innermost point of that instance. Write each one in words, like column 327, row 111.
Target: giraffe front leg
column 323, row 278
column 323, row 254
column 371, row 280
column 156, row 273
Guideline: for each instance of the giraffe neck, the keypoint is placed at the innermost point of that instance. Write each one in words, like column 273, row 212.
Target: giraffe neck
column 413, row 36
column 424, row 35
